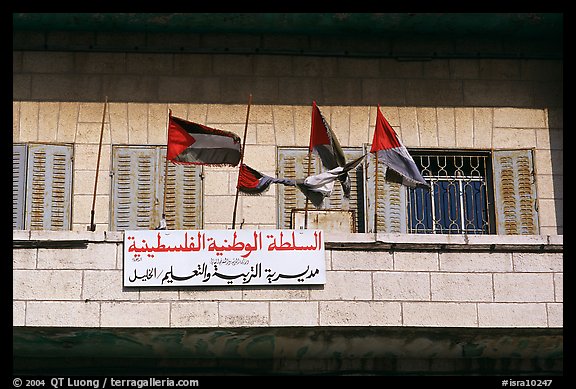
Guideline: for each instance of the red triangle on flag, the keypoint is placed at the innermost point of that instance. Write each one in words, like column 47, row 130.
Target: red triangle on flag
column 384, row 135
column 178, row 140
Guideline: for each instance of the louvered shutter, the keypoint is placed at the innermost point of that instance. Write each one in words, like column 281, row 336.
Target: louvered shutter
column 183, row 206
column 515, row 193
column 18, row 186
column 391, row 216
column 135, row 204
column 293, row 164
column 49, row 187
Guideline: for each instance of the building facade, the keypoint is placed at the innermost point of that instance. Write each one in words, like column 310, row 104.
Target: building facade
column 464, row 278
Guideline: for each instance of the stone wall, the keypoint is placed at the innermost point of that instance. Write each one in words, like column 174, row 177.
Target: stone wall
column 74, row 279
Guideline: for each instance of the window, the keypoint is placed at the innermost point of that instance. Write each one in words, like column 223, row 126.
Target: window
column 138, row 190
column 460, row 199
column 472, row 192
column 42, row 186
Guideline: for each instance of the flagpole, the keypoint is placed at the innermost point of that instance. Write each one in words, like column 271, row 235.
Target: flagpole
column 376, row 194
column 92, row 224
column 307, row 175
column 241, row 161
column 165, row 175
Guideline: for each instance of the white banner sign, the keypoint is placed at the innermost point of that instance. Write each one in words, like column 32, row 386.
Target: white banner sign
column 223, row 257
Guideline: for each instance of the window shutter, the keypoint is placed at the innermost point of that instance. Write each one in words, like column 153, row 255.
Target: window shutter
column 515, row 192
column 183, row 206
column 49, row 187
column 135, row 204
column 391, row 216
column 18, row 186
column 293, row 164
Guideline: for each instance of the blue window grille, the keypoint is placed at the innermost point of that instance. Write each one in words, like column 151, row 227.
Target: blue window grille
column 460, row 199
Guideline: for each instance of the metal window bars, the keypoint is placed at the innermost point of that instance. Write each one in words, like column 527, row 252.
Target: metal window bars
column 458, row 201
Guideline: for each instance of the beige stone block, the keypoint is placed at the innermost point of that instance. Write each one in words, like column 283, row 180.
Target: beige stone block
column 24, row 258
column 464, row 118
column 149, row 63
column 84, row 182
column 520, row 117
column 339, row 91
column 549, row 187
column 62, row 314
column 516, row 138
column 226, row 114
column 67, row 122
column 15, row 121
column 86, row 157
column 243, row 314
column 549, row 138
column 259, row 209
column 48, row 61
column 475, row 262
column 548, row 210
column 360, row 313
column 549, row 162
column 211, row 293
column 437, row 314
column 48, row 122
column 118, row 117
column 135, row 314
column 82, row 205
column 218, row 209
column 284, row 124
column 446, row 127
column 46, row 284
column 538, row 262
column 106, row 285
column 401, row 286
column 483, row 128
column 91, row 112
column 194, row 314
column 29, row 112
column 555, row 315
column 512, row 315
column 18, row 313
column 181, row 111
column 90, row 133
column 261, row 114
column 409, row 123
column 137, row 123
column 415, row 261
column 265, row 134
column 461, row 287
column 219, row 183
column 427, row 127
column 302, row 126
column 238, row 129
column 261, row 158
column 361, row 260
column 523, row 287
column 345, row 285
column 157, row 124
column 164, row 294
column 197, row 113
column 292, row 313
column 360, row 126
column 558, row 287
column 94, row 256
column 275, row 292
column 340, row 124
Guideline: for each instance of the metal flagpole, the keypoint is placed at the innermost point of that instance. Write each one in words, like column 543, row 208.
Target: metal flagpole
column 307, row 175
column 92, row 224
column 241, row 161
column 163, row 224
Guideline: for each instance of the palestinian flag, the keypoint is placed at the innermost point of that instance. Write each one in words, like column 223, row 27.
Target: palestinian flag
column 193, row 143
column 316, row 188
column 401, row 168
column 253, row 182
column 323, row 142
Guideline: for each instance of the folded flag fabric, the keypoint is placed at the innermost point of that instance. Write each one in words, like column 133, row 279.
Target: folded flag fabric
column 317, row 187
column 194, row 143
column 401, row 167
column 251, row 181
column 323, row 142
